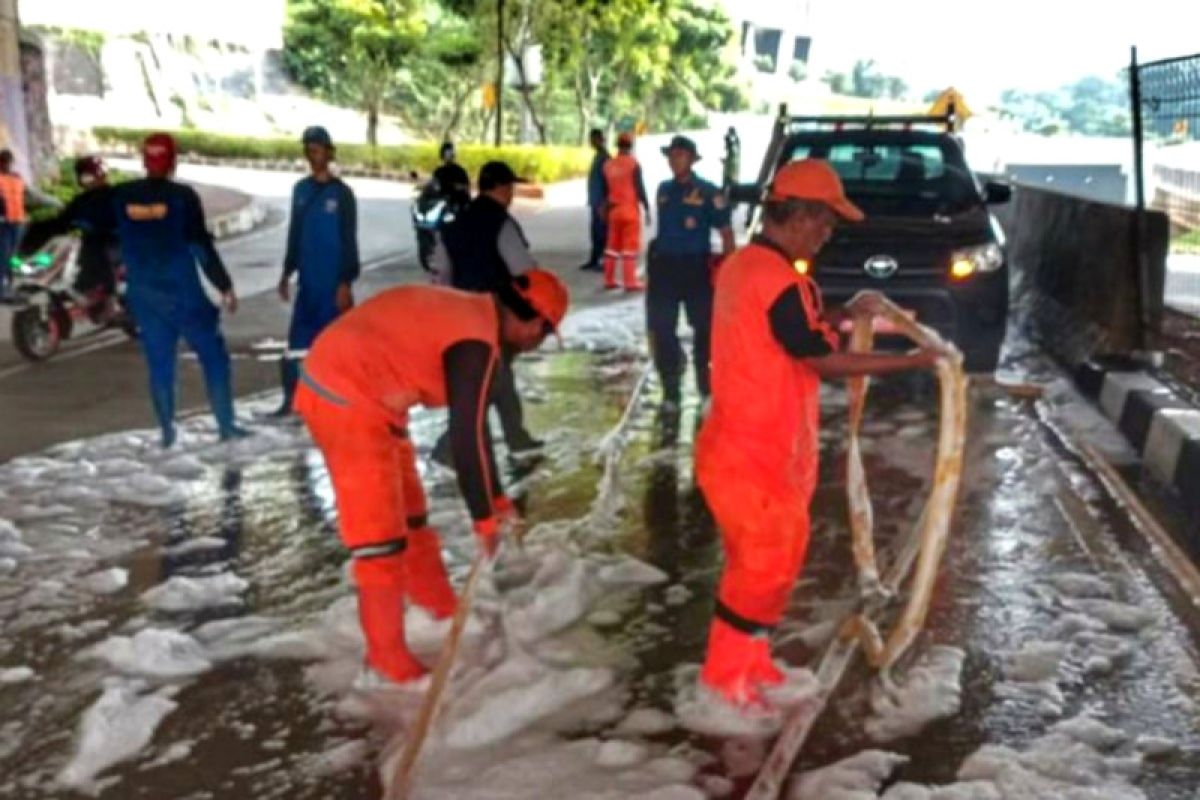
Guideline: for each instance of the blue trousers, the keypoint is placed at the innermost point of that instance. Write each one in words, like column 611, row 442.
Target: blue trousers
column 313, row 312
column 160, row 331
column 10, row 237
column 599, row 235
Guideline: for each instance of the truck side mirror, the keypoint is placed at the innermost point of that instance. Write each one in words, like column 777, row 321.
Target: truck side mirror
column 995, row 193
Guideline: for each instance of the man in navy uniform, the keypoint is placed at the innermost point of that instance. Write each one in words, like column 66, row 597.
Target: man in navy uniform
column 597, row 202
column 322, row 250
column 680, row 268
column 160, row 225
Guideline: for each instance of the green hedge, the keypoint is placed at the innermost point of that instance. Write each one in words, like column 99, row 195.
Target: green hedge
column 535, row 162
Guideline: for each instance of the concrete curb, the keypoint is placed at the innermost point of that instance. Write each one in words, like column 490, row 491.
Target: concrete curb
column 1160, row 425
column 242, row 220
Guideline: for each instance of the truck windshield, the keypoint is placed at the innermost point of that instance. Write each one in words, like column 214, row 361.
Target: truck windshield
column 898, row 179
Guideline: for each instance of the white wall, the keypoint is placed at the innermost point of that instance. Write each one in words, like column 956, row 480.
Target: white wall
column 256, row 24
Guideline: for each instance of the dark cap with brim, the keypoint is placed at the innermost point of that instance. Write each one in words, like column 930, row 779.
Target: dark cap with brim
column 497, row 173
column 316, row 134
column 682, row 143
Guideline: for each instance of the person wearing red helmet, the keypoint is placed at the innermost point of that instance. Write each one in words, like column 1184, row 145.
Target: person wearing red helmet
column 756, row 454
column 91, row 213
column 413, row 345
column 163, row 236
column 625, row 191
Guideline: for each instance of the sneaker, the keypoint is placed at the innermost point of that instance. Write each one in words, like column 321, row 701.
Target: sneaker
column 590, row 267
column 611, row 287
column 526, row 447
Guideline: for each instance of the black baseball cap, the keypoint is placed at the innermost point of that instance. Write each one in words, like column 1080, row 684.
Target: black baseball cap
column 497, row 173
column 682, row 143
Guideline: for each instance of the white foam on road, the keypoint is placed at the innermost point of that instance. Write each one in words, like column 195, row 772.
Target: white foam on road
column 154, row 653
column 108, row 581
column 114, row 729
column 1071, row 762
column 931, row 690
column 182, row 593
column 14, row 675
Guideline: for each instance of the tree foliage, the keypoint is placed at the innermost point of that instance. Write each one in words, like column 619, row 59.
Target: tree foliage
column 866, row 80
column 351, row 51
column 1091, row 106
column 606, row 62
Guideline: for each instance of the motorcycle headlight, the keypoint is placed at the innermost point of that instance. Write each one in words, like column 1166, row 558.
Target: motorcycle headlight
column 966, row 261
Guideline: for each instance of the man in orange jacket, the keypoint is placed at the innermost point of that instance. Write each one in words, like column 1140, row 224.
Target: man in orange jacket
column 431, row 346
column 756, row 455
column 626, row 191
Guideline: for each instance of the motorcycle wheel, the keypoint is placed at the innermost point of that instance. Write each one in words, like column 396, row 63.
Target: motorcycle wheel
column 36, row 336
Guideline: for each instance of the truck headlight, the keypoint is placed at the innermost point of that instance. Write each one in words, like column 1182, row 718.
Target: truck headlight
column 967, row 261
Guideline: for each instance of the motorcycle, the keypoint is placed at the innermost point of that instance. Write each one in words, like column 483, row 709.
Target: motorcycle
column 47, row 310
column 433, row 209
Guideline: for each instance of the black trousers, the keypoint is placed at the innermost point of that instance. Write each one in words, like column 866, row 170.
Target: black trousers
column 507, row 402
column 599, row 235
column 676, row 281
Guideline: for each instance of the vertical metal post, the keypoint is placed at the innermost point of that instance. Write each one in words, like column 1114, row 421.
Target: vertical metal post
column 499, row 71
column 1138, row 237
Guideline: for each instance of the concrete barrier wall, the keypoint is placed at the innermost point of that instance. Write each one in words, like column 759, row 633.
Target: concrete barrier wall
column 1074, row 272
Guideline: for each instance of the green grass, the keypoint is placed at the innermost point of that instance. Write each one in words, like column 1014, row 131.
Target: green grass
column 1188, row 242
column 543, row 164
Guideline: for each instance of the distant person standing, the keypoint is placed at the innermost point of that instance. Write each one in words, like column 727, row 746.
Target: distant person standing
column 12, row 193
column 679, row 270
column 626, row 192
column 322, row 250
column 597, row 201
column 160, row 225
column 452, row 180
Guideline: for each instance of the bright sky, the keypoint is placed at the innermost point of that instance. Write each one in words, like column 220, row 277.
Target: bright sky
column 985, row 47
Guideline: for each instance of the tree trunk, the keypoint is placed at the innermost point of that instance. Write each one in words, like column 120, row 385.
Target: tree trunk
column 373, row 123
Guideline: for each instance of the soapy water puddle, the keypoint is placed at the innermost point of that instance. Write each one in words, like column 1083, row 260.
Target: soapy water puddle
column 181, row 625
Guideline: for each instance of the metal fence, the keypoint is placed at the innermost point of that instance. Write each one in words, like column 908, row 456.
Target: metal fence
column 1166, row 123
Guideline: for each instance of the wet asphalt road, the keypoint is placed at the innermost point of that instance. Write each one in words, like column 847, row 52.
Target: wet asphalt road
column 255, row 726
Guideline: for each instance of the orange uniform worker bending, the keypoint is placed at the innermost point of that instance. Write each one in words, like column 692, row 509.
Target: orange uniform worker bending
column 756, row 455
column 626, row 191
column 414, row 345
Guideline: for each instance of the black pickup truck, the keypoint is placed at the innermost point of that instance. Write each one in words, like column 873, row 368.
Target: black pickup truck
column 929, row 242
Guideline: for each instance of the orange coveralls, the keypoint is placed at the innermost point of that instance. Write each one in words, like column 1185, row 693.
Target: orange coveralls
column 412, row 345
column 626, row 191
column 757, row 453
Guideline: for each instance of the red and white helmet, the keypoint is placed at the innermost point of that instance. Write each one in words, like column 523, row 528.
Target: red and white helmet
column 89, row 170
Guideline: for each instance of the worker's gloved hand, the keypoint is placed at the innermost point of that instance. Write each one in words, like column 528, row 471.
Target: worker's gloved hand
column 487, row 531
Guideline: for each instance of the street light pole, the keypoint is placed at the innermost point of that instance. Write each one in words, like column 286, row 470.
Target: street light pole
column 499, row 70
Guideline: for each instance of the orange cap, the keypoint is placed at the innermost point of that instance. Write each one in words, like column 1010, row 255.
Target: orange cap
column 546, row 293
column 813, row 179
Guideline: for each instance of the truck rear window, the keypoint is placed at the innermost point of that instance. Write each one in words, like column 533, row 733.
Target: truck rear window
column 897, row 179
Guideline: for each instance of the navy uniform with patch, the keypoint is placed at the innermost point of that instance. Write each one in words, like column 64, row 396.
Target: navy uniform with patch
column 679, row 275
column 160, row 225
column 322, row 248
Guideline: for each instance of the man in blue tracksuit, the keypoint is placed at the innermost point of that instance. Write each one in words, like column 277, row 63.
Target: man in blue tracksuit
column 322, row 248
column 160, row 224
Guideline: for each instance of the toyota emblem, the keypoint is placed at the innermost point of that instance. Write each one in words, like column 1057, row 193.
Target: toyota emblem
column 881, row 267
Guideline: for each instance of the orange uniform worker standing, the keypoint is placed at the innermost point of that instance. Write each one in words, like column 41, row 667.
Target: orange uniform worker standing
column 756, row 455
column 413, row 345
column 626, row 191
